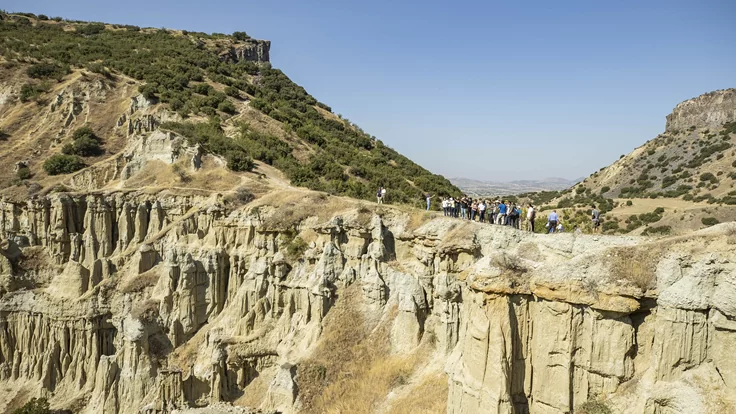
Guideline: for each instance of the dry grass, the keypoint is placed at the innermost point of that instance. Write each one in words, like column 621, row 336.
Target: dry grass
column 146, row 310
column 141, row 281
column 295, row 208
column 635, row 265
column 430, row 396
column 509, row 264
column 352, row 369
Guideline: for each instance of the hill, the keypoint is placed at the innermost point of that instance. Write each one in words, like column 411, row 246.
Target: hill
column 682, row 180
column 217, row 92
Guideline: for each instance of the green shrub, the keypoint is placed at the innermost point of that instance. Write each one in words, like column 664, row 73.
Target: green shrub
column 202, row 88
column 97, row 67
column 610, row 226
column 629, row 203
column 46, row 70
column 709, row 221
column 239, row 161
column 29, row 92
column 296, row 248
column 232, row 91
column 23, row 173
column 84, row 143
column 227, row 107
column 660, row 230
column 241, row 36
column 62, row 164
column 91, row 29
column 605, row 189
column 708, row 177
column 34, row 406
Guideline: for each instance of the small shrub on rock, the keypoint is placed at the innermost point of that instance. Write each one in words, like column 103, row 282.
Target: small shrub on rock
column 23, row 173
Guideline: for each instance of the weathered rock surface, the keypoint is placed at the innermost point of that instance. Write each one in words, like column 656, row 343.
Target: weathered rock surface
column 156, row 303
column 710, row 110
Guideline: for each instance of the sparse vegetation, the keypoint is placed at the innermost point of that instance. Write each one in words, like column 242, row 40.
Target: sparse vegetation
column 593, row 407
column 634, row 265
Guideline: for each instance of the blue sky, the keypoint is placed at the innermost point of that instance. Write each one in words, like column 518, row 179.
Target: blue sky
column 479, row 89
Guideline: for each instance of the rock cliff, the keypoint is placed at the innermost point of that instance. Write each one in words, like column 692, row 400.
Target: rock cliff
column 127, row 302
column 709, row 110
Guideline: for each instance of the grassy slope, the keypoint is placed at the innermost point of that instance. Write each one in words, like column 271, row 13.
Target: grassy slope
column 250, row 109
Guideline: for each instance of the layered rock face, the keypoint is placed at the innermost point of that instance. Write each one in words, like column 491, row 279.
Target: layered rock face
column 127, row 302
column 710, row 110
column 252, row 51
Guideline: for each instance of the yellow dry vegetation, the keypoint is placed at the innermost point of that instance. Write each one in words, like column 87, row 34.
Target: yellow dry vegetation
column 352, row 369
column 429, row 397
column 635, row 265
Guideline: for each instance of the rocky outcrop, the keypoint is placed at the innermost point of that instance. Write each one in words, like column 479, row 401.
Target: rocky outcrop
column 153, row 303
column 250, row 50
column 710, row 110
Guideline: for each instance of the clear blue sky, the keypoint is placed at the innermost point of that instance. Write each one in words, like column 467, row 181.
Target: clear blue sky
column 479, row 89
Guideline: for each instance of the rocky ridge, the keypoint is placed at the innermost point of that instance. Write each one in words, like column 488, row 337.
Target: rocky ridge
column 126, row 302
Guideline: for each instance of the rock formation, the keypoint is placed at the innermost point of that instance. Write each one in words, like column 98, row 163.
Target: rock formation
column 710, row 110
column 151, row 303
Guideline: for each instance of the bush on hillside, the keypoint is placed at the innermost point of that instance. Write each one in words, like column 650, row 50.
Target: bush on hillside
column 23, row 173
column 241, row 36
column 227, row 107
column 239, row 161
column 658, row 230
column 709, row 221
column 46, row 70
column 62, row 164
column 708, row 177
column 30, row 91
column 91, row 29
column 84, row 143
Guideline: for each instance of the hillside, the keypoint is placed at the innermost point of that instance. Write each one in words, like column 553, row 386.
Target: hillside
column 217, row 92
column 682, row 180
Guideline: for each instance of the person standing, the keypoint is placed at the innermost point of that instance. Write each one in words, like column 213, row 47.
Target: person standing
column 429, row 200
column 531, row 215
column 473, row 210
column 482, row 210
column 501, row 216
column 552, row 221
column 596, row 217
column 379, row 195
column 383, row 195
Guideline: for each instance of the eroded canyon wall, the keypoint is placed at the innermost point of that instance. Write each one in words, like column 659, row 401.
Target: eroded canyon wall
column 129, row 302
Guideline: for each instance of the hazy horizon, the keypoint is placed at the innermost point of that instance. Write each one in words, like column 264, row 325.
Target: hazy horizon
column 478, row 90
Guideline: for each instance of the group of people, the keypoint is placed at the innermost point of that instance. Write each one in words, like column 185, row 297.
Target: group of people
column 499, row 212
column 505, row 213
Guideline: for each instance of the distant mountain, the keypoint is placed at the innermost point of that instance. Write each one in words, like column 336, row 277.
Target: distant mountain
column 482, row 188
